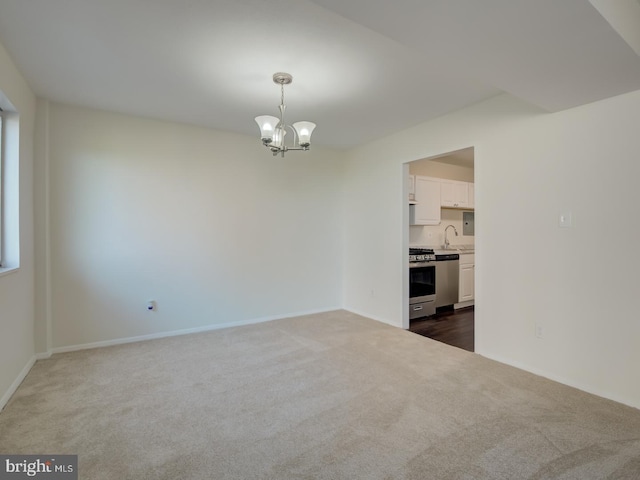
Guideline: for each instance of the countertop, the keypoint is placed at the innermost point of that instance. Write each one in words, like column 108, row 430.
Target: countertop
column 459, row 249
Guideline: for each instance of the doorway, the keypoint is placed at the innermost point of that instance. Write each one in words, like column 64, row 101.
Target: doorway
column 445, row 222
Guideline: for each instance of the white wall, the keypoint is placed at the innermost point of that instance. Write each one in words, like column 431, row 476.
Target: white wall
column 209, row 225
column 431, row 168
column 373, row 234
column 578, row 283
column 17, row 288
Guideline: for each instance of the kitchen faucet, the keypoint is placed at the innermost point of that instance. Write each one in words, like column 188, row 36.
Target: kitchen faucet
column 446, row 240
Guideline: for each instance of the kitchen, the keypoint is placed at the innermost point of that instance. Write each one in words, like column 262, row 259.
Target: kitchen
column 442, row 247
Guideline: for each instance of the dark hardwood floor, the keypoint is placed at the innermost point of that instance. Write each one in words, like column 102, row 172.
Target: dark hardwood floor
column 453, row 327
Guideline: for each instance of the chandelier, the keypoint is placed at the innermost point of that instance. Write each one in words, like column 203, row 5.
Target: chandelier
column 273, row 129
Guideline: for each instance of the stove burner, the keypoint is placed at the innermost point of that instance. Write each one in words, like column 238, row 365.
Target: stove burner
column 420, row 251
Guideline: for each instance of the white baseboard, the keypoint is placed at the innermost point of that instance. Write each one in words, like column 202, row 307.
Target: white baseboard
column 16, row 383
column 565, row 381
column 187, row 331
column 44, row 355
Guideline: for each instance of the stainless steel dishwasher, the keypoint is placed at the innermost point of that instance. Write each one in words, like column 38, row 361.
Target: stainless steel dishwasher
column 447, row 276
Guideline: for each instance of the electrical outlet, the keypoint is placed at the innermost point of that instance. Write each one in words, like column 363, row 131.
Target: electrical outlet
column 565, row 220
column 539, row 331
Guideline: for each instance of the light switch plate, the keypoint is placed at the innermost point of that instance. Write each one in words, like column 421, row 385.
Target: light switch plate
column 565, row 220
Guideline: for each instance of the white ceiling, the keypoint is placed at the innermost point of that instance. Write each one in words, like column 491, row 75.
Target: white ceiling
column 461, row 158
column 362, row 68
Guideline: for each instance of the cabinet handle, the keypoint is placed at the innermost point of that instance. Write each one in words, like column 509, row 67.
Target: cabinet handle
column 417, row 307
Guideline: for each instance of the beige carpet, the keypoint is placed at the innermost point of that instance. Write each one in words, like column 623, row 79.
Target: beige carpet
column 330, row 396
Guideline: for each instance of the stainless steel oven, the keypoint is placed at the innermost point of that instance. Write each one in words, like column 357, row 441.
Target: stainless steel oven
column 422, row 283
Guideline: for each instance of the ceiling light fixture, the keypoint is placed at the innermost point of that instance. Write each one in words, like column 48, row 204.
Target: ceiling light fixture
column 273, row 129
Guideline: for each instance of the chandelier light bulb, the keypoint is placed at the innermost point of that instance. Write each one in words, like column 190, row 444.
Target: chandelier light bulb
column 267, row 124
column 304, row 130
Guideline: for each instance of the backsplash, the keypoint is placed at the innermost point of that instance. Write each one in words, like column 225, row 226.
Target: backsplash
column 433, row 236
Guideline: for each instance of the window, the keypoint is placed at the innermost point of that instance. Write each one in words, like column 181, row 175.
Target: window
column 1, row 188
column 9, row 188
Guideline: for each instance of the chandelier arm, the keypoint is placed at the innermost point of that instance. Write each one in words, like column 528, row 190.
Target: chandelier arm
column 284, row 148
column 295, row 136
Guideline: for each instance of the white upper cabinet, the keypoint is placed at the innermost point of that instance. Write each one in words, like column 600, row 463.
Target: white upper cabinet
column 455, row 194
column 426, row 210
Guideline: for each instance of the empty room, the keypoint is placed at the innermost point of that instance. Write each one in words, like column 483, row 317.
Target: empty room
column 219, row 221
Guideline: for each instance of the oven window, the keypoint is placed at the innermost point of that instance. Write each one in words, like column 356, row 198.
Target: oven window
column 422, row 281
